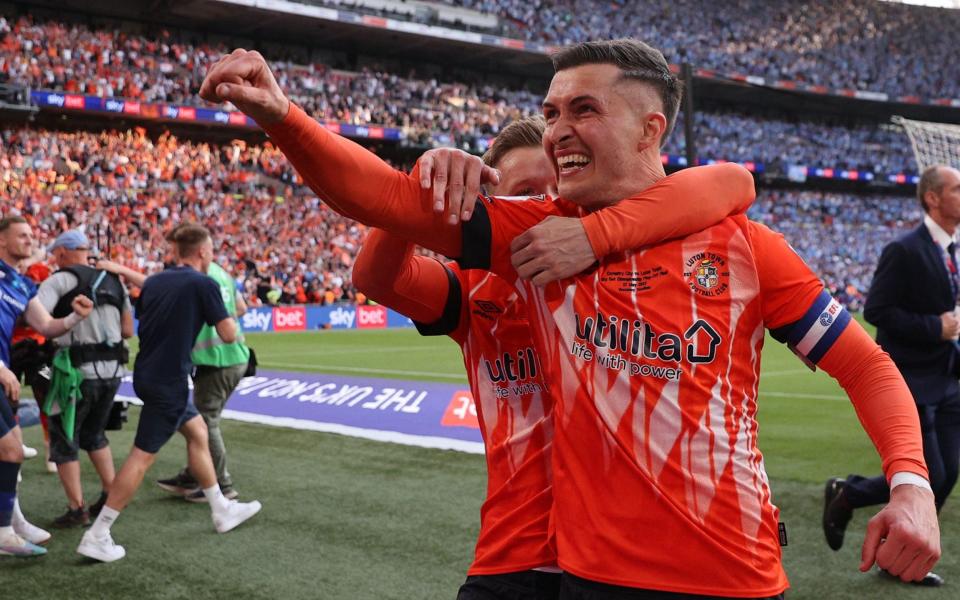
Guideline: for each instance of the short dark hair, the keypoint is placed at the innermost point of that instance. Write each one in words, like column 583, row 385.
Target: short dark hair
column 171, row 236
column 6, row 222
column 930, row 181
column 189, row 237
column 637, row 60
column 522, row 133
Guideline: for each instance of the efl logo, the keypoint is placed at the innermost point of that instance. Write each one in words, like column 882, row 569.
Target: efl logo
column 289, row 318
column 371, row 317
column 461, row 412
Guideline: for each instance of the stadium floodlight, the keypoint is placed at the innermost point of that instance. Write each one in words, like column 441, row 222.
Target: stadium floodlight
column 933, row 143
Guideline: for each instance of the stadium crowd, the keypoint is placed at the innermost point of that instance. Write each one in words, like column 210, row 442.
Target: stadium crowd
column 841, row 44
column 839, row 235
column 284, row 246
column 777, row 139
column 167, row 67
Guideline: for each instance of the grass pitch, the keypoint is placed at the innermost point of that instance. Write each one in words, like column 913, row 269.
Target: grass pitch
column 355, row 519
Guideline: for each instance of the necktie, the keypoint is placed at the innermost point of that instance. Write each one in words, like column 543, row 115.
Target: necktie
column 952, row 268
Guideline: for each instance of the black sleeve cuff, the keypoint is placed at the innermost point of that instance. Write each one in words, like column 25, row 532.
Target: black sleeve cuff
column 477, row 235
column 450, row 319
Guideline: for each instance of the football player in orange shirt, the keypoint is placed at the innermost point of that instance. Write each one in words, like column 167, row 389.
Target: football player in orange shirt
column 514, row 556
column 658, row 481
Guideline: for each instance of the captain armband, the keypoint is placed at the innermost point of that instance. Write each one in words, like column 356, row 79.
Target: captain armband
column 816, row 331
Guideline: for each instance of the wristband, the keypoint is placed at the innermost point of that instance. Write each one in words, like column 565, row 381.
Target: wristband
column 908, row 478
column 71, row 320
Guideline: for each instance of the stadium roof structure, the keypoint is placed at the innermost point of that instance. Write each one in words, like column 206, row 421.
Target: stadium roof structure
column 936, row 3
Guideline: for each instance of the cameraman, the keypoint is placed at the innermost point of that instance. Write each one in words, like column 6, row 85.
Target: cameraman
column 97, row 349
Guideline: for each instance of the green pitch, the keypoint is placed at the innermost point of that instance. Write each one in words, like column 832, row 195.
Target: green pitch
column 354, row 519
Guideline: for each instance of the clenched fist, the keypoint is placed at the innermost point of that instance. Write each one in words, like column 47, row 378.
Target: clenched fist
column 245, row 79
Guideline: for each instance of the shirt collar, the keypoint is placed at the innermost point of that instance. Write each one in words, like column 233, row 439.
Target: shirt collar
column 941, row 237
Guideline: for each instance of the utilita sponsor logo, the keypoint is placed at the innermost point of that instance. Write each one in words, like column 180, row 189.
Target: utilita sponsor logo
column 371, row 317
column 512, row 368
column 700, row 340
column 292, row 318
column 342, row 317
column 256, row 320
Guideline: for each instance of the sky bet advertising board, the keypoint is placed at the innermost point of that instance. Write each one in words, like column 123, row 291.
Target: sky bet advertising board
column 310, row 318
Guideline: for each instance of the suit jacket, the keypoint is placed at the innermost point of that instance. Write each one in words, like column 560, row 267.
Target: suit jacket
column 910, row 290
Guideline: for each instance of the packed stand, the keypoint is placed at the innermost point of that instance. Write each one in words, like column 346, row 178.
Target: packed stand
column 839, row 235
column 277, row 238
column 285, row 246
column 775, row 139
column 169, row 68
column 841, row 44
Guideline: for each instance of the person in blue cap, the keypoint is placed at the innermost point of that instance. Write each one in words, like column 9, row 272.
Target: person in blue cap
column 18, row 297
column 97, row 351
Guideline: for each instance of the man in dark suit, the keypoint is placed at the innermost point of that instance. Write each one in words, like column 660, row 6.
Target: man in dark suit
column 913, row 303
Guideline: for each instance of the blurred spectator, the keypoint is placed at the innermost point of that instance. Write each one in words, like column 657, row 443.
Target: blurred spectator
column 839, row 235
column 274, row 235
column 773, row 138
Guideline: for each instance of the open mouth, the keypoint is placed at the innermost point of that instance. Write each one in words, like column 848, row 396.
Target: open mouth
column 571, row 164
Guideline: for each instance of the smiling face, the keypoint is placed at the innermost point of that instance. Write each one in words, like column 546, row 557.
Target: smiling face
column 16, row 243
column 525, row 171
column 603, row 134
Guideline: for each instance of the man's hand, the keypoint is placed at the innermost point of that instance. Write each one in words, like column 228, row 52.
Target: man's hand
column 244, row 79
column 458, row 176
column 11, row 385
column 904, row 537
column 949, row 326
column 555, row 248
column 82, row 305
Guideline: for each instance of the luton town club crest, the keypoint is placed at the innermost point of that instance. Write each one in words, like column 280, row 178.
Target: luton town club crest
column 707, row 274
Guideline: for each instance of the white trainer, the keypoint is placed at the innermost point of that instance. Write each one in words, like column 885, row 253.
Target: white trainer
column 29, row 452
column 14, row 545
column 100, row 548
column 235, row 514
column 30, row 532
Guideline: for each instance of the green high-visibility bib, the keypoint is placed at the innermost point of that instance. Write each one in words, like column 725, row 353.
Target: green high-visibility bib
column 209, row 350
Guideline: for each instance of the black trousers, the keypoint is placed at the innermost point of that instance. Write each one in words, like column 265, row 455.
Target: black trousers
column 577, row 588
column 522, row 585
column 940, row 426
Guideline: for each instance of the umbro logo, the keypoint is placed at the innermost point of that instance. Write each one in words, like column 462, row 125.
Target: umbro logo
column 488, row 307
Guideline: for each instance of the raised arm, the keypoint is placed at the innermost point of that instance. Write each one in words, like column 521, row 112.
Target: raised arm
column 388, row 272
column 351, row 180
